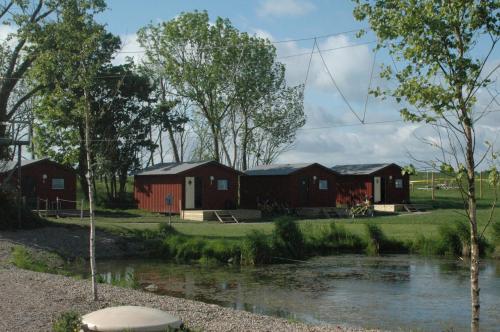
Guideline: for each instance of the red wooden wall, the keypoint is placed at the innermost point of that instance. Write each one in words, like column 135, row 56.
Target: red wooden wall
column 150, row 191
column 43, row 188
column 353, row 189
column 284, row 189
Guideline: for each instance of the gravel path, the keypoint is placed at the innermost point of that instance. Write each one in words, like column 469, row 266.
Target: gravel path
column 32, row 300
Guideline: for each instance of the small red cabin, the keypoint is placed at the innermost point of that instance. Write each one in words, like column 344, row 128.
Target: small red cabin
column 43, row 182
column 288, row 186
column 206, row 185
column 377, row 183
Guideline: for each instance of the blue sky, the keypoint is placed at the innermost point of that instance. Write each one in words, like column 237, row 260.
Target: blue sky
column 332, row 134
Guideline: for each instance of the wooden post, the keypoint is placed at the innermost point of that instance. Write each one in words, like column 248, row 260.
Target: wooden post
column 38, row 206
column 81, row 210
column 481, row 185
column 57, row 207
column 19, row 185
column 432, row 184
column 46, row 207
column 181, row 211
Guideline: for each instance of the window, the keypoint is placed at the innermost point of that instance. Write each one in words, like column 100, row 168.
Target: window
column 57, row 184
column 222, row 184
column 399, row 183
column 323, row 184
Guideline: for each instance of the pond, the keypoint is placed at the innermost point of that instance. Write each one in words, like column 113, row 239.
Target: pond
column 392, row 292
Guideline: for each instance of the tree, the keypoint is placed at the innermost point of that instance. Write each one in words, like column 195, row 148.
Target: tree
column 442, row 73
column 80, row 49
column 27, row 20
column 121, row 107
column 229, row 77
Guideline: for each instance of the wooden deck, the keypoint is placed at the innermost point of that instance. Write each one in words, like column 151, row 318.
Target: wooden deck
column 207, row 215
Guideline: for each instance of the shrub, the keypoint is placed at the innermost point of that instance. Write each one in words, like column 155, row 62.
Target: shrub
column 376, row 238
column 378, row 243
column 326, row 239
column 255, row 249
column 287, row 239
column 67, row 322
column 166, row 230
column 495, row 230
column 9, row 211
column 221, row 251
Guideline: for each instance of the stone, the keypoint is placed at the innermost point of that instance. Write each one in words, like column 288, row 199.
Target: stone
column 130, row 318
column 151, row 288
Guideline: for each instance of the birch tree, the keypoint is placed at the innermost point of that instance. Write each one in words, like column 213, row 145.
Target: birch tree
column 444, row 48
column 80, row 49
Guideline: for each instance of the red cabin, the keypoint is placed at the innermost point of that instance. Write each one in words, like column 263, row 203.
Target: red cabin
column 206, row 185
column 377, row 183
column 43, row 183
column 288, row 186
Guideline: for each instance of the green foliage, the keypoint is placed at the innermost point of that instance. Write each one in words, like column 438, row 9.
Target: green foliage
column 332, row 238
column 287, row 240
column 495, row 229
column 26, row 259
column 233, row 78
column 67, row 322
column 256, row 249
column 378, row 242
column 9, row 212
column 128, row 280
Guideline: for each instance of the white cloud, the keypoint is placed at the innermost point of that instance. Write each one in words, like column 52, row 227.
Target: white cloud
column 279, row 8
column 130, row 48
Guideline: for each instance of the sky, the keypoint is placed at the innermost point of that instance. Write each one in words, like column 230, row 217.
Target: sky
column 332, row 134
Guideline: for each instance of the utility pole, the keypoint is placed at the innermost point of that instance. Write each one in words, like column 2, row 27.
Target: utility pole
column 12, row 141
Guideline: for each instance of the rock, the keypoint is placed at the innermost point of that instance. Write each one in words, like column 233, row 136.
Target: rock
column 151, row 288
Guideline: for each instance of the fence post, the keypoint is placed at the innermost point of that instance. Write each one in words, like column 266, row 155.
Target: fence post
column 432, row 184
column 46, row 207
column 81, row 210
column 57, row 207
column 38, row 205
column 181, row 211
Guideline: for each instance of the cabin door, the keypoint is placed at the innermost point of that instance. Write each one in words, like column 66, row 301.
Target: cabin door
column 189, row 192
column 304, row 191
column 28, row 189
column 198, row 190
column 377, row 189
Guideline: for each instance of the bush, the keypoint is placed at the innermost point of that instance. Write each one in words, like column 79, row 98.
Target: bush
column 221, row 251
column 378, row 243
column 67, row 322
column 165, row 230
column 9, row 211
column 452, row 240
column 255, row 249
column 495, row 230
column 287, row 239
column 326, row 239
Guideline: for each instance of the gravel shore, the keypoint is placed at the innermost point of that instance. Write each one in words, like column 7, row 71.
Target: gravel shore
column 32, row 300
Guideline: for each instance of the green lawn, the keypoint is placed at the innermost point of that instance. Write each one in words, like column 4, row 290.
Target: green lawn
column 403, row 227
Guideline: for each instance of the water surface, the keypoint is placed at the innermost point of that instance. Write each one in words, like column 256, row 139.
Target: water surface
column 393, row 292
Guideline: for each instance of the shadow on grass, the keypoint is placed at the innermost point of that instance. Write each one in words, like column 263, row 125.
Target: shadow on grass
column 117, row 214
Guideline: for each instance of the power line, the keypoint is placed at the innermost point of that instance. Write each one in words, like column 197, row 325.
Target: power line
column 338, row 88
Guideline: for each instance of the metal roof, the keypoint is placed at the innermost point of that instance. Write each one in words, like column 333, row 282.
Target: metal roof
column 171, row 168
column 276, row 169
column 9, row 165
column 359, row 169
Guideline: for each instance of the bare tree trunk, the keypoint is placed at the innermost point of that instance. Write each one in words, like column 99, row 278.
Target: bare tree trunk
column 474, row 239
column 90, row 182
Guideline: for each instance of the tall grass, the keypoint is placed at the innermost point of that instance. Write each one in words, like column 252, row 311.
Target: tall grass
column 256, row 249
column 287, row 240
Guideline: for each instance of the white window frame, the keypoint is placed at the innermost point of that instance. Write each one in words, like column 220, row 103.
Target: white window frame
column 398, row 184
column 59, row 181
column 224, row 187
column 323, row 184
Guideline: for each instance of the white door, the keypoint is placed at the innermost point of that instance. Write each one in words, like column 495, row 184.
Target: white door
column 189, row 190
column 377, row 190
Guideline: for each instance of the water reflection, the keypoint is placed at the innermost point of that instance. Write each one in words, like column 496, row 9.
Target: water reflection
column 394, row 292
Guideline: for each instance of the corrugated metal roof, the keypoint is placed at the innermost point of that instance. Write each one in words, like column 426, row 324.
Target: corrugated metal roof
column 6, row 166
column 171, row 168
column 359, row 169
column 276, row 169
